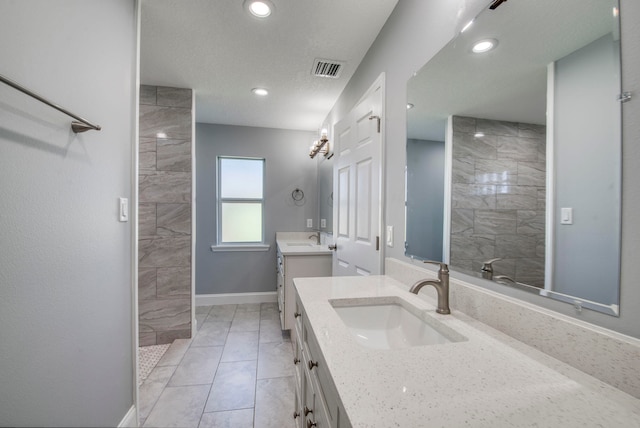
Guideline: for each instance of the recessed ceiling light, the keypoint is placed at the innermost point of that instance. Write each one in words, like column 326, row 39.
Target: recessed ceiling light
column 409, row 106
column 259, row 8
column 485, row 45
column 261, row 92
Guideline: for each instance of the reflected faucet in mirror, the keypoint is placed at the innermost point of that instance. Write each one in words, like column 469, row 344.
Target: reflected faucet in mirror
column 441, row 285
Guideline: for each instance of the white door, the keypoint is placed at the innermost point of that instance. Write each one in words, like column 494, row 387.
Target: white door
column 357, row 187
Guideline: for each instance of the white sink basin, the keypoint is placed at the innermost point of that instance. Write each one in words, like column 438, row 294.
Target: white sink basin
column 298, row 244
column 392, row 326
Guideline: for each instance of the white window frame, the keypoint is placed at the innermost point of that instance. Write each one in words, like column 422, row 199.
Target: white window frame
column 239, row 246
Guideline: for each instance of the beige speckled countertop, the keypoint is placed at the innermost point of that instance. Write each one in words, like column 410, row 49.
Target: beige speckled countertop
column 489, row 380
column 301, row 247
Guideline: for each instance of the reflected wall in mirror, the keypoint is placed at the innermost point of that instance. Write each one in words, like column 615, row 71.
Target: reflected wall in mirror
column 531, row 142
column 325, row 193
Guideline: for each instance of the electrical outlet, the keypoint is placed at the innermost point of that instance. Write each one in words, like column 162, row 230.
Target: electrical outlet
column 323, row 222
column 309, row 222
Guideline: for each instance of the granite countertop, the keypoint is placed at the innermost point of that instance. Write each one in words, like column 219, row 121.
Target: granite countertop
column 488, row 380
column 301, row 247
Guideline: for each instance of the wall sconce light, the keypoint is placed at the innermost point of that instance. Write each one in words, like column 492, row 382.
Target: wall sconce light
column 320, row 146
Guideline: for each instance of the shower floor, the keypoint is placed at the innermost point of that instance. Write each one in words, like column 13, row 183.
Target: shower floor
column 148, row 357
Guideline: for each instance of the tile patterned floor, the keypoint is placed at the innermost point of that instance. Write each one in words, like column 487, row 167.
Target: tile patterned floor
column 148, row 357
column 236, row 372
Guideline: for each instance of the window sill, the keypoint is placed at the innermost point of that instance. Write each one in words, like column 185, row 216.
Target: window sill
column 234, row 248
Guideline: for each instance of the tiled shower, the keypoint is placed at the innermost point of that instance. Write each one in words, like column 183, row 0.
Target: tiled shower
column 165, row 206
column 498, row 197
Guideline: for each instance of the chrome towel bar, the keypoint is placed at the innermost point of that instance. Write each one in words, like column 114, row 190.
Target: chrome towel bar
column 78, row 125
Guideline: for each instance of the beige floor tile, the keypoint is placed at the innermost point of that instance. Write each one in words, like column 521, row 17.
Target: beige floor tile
column 174, row 354
column 211, row 333
column 152, row 388
column 249, row 307
column 203, row 309
column 231, row 419
column 275, row 360
column 271, row 331
column 222, row 313
column 233, row 387
column 246, row 321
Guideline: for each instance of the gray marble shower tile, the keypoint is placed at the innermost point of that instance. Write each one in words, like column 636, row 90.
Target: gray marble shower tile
column 173, row 219
column 174, row 155
column 473, row 196
column 542, row 200
column 516, row 197
column 146, row 219
column 174, row 97
column 470, row 247
column 496, row 171
column 222, row 313
column 234, row 387
column 466, row 145
column 165, row 186
column 273, row 395
column 169, row 336
column 496, row 127
column 198, row 366
column 531, row 222
column 532, row 174
column 241, row 346
column 179, row 407
column 174, row 282
column 147, row 153
column 171, row 314
column 462, row 221
column 514, row 246
column 170, row 121
column 517, row 148
column 146, row 338
column 541, row 244
column 228, row 419
column 275, row 360
column 542, row 151
column 147, row 95
column 531, row 130
column 461, row 265
column 494, row 222
column 146, row 283
column 463, row 170
column 166, row 251
column 464, row 124
column 530, row 271
column 212, row 333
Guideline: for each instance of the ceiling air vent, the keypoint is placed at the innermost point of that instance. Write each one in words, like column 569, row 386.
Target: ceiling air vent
column 327, row 68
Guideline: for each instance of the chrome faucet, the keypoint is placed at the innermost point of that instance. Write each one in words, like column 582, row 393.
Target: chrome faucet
column 315, row 235
column 441, row 285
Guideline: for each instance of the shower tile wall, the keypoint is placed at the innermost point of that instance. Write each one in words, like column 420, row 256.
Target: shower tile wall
column 498, row 198
column 164, row 242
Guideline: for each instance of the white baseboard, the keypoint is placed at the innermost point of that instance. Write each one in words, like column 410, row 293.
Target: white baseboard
column 236, row 298
column 130, row 419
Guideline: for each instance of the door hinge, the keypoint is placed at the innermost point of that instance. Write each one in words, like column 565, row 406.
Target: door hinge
column 624, row 97
column 377, row 243
column 376, row 117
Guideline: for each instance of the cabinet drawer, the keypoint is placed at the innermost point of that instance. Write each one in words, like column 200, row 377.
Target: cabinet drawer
column 323, row 383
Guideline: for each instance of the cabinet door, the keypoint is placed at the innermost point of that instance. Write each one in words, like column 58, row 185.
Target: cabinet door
column 281, row 301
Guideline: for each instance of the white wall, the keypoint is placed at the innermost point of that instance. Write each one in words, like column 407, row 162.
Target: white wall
column 287, row 167
column 415, row 32
column 65, row 260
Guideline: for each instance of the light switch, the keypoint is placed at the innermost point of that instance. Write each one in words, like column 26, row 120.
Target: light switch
column 389, row 236
column 123, row 209
column 323, row 222
column 566, row 215
column 309, row 222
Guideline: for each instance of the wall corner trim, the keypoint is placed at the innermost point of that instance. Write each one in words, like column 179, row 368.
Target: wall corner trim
column 130, row 419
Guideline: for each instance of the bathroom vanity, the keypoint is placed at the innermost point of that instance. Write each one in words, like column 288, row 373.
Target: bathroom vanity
column 473, row 375
column 298, row 256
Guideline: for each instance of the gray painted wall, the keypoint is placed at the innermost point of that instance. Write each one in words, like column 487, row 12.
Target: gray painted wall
column 287, row 166
column 587, row 167
column 65, row 260
column 425, row 198
column 415, row 32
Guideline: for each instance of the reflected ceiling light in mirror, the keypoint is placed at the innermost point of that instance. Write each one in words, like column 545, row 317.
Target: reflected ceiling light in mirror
column 485, row 45
column 478, row 134
column 409, row 106
column 259, row 9
column 261, row 92
column 466, row 27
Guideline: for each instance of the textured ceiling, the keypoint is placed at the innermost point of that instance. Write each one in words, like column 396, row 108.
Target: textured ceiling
column 222, row 52
column 508, row 83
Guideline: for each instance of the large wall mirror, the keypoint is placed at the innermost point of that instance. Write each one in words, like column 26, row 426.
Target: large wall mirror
column 325, row 193
column 514, row 154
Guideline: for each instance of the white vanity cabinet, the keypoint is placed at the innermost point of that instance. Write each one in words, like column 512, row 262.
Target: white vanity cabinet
column 297, row 262
column 316, row 403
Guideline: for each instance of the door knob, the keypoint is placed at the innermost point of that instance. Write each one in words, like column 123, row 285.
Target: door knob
column 333, row 247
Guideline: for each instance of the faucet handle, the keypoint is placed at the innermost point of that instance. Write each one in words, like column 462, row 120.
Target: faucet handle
column 487, row 266
column 443, row 266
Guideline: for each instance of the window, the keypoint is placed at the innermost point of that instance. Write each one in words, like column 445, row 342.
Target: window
column 240, row 200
